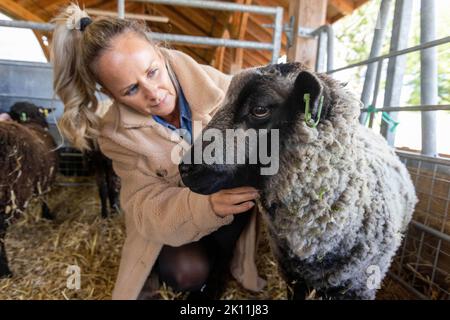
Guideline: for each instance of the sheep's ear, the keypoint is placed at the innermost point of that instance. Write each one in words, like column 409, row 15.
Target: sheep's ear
column 46, row 111
column 307, row 83
column 308, row 89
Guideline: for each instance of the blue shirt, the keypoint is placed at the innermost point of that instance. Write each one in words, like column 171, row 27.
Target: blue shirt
column 185, row 130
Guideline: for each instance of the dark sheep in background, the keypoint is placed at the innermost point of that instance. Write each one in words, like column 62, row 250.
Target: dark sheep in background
column 108, row 182
column 28, row 165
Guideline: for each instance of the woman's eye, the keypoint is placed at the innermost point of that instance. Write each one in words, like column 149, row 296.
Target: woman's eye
column 132, row 90
column 260, row 112
column 152, row 73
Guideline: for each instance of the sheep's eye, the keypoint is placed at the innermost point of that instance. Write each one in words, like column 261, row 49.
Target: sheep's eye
column 260, row 112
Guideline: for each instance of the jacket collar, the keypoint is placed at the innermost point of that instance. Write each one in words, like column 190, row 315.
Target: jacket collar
column 200, row 91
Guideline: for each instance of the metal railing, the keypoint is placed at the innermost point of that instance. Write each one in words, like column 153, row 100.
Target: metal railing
column 418, row 266
column 276, row 12
column 324, row 32
column 396, row 66
column 419, row 47
column 422, row 262
column 274, row 46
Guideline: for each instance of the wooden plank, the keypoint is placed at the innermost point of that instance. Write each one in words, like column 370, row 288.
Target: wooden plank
column 336, row 17
column 218, row 28
column 45, row 49
column 309, row 14
column 135, row 16
column 343, row 6
column 184, row 27
column 211, row 23
column 264, row 55
column 220, row 53
column 16, row 11
column 200, row 18
column 180, row 22
column 239, row 30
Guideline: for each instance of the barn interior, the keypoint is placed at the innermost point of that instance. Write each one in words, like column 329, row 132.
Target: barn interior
column 230, row 36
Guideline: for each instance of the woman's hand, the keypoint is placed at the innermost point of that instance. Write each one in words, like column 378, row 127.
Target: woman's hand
column 232, row 201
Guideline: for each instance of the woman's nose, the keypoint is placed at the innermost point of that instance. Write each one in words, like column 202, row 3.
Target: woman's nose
column 151, row 91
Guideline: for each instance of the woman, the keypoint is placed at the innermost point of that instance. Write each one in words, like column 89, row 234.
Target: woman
column 157, row 93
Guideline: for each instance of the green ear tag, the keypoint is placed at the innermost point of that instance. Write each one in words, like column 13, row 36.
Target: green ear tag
column 23, row 116
column 308, row 116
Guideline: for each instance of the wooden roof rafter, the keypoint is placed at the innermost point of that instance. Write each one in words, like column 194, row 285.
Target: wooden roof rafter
column 16, row 11
column 192, row 21
column 344, row 7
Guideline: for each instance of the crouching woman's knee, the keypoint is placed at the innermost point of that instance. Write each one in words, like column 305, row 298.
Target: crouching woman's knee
column 184, row 268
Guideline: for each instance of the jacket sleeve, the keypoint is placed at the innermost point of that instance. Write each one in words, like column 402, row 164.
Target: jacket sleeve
column 163, row 213
column 221, row 79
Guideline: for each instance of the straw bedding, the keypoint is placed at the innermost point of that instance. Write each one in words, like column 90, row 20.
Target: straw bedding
column 40, row 251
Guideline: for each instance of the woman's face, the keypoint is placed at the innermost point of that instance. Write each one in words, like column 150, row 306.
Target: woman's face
column 135, row 74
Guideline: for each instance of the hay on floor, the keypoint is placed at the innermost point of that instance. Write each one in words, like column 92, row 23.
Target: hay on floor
column 40, row 252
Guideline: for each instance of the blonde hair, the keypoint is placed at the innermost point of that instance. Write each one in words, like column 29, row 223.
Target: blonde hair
column 73, row 54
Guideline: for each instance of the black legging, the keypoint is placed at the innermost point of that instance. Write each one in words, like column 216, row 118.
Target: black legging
column 188, row 267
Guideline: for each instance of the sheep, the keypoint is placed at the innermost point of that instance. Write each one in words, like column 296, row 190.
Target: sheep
column 108, row 183
column 94, row 163
column 340, row 202
column 28, row 165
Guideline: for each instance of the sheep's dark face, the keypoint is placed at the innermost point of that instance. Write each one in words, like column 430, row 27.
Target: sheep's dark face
column 24, row 112
column 266, row 102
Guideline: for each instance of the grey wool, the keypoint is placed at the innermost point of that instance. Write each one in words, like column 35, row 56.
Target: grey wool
column 339, row 205
column 344, row 201
column 342, row 192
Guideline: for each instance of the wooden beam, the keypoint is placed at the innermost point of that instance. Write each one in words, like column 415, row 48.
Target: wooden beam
column 201, row 19
column 240, row 28
column 16, row 11
column 180, row 22
column 308, row 14
column 343, row 6
column 219, row 27
column 220, row 53
column 180, row 28
column 184, row 27
column 44, row 47
column 335, row 18
column 338, row 16
column 146, row 17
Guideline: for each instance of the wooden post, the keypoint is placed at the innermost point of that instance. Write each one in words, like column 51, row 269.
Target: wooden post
column 308, row 14
column 220, row 53
column 238, row 32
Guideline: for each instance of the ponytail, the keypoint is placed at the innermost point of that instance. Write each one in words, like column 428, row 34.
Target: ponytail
column 72, row 80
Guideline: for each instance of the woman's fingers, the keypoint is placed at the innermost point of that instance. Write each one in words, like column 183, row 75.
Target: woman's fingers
column 240, row 190
column 237, row 198
column 225, row 202
column 226, row 210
